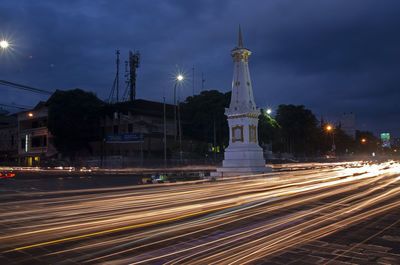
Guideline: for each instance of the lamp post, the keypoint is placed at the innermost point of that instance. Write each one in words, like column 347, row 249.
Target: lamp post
column 180, row 134
column 179, row 78
column 330, row 128
column 165, row 136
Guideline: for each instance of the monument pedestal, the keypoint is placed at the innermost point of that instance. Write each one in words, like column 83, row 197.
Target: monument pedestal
column 242, row 161
column 243, row 156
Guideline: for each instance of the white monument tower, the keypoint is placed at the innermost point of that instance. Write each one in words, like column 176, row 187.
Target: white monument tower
column 243, row 156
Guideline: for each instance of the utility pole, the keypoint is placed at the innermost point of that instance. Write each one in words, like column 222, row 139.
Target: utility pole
column 215, row 142
column 203, row 80
column 180, row 134
column 193, row 79
column 141, row 149
column 165, row 136
column 175, row 111
column 117, row 77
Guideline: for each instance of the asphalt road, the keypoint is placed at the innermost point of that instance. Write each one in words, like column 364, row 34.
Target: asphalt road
column 339, row 215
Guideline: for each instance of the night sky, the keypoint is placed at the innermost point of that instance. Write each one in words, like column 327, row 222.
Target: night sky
column 331, row 56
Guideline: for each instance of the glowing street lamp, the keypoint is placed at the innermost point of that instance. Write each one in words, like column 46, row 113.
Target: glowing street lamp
column 179, row 78
column 329, row 128
column 363, row 140
column 4, row 44
column 269, row 111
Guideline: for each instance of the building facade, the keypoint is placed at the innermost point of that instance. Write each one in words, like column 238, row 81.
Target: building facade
column 348, row 124
column 8, row 137
column 133, row 132
column 35, row 142
column 25, row 136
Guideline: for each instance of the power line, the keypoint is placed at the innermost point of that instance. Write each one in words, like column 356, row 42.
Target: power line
column 16, row 106
column 23, row 87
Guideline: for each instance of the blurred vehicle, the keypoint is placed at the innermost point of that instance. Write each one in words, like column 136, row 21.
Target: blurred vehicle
column 4, row 175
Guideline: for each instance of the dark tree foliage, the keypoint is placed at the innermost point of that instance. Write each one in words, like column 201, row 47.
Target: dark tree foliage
column 370, row 145
column 299, row 129
column 344, row 144
column 200, row 112
column 74, row 117
column 268, row 129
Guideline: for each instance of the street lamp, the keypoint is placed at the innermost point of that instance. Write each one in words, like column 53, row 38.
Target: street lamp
column 4, row 44
column 269, row 111
column 329, row 128
column 179, row 78
column 363, row 140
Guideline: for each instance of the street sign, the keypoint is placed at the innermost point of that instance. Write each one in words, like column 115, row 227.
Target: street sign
column 125, row 138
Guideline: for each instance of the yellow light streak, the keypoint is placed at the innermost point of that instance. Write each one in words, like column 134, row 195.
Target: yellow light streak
column 121, row 228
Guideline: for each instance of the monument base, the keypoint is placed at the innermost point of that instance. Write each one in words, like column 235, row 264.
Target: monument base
column 242, row 160
column 236, row 172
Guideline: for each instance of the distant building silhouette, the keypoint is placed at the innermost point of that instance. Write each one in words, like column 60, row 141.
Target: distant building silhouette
column 348, row 124
column 132, row 132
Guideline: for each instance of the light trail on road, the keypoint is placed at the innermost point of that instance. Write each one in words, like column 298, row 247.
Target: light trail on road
column 235, row 221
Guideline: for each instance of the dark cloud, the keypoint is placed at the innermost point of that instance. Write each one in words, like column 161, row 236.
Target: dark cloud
column 331, row 56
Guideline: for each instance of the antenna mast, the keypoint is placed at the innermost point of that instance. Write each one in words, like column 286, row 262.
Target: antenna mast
column 117, row 76
column 134, row 62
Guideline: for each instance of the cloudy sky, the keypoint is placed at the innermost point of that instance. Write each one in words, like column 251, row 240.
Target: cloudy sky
column 331, row 56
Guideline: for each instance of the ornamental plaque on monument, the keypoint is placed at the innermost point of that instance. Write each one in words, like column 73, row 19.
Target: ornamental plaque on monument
column 243, row 156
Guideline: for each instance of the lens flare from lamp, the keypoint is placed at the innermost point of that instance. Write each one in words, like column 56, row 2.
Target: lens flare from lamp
column 4, row 44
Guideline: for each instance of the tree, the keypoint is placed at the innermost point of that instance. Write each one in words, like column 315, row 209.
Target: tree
column 366, row 142
column 268, row 129
column 344, row 144
column 201, row 112
column 73, row 121
column 299, row 129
